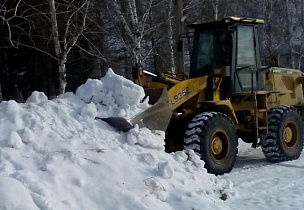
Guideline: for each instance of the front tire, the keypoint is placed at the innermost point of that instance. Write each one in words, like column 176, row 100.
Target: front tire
column 285, row 134
column 212, row 136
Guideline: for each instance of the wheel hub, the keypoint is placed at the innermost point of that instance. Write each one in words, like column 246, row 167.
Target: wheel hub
column 287, row 135
column 216, row 145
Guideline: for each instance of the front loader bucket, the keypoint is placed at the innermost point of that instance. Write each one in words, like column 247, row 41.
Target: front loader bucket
column 118, row 122
column 157, row 117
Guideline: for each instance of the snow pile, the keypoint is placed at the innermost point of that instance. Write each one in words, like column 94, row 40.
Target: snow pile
column 113, row 95
column 55, row 155
column 13, row 195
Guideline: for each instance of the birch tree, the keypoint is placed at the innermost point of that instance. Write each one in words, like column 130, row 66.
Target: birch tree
column 215, row 8
column 169, row 15
column 67, row 20
column 73, row 28
column 134, row 30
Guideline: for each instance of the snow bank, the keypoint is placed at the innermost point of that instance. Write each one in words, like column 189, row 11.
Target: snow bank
column 114, row 95
column 54, row 155
column 13, row 195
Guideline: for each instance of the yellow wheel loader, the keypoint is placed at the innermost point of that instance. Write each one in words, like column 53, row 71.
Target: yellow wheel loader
column 228, row 95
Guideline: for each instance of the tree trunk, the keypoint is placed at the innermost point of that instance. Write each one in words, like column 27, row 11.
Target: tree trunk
column 62, row 56
column 62, row 75
column 170, row 34
column 301, row 39
column 135, row 29
column 180, row 68
column 1, row 96
column 215, row 9
column 289, row 34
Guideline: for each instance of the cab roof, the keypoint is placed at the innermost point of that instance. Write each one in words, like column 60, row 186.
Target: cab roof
column 227, row 21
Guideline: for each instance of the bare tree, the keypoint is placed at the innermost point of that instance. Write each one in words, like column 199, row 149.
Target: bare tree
column 215, row 8
column 169, row 15
column 132, row 26
column 67, row 21
column 72, row 31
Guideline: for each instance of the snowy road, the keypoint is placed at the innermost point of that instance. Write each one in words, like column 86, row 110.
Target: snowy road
column 264, row 185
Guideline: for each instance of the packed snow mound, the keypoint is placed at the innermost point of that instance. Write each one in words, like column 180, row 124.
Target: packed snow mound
column 55, row 155
column 14, row 196
column 114, row 95
column 37, row 98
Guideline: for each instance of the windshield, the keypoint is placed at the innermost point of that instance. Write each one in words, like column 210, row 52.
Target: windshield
column 212, row 49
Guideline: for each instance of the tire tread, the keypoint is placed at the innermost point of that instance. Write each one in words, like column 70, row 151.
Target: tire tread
column 198, row 127
column 271, row 146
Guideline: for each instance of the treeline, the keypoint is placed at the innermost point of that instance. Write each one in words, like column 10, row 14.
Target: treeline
column 55, row 45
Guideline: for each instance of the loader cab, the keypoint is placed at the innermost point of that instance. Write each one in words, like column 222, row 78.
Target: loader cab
column 228, row 48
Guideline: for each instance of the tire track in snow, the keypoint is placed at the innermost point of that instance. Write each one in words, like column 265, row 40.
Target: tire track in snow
column 263, row 185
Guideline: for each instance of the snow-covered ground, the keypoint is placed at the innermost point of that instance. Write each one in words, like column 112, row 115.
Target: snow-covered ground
column 55, row 155
column 264, row 185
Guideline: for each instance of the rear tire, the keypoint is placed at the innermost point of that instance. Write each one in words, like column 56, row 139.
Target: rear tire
column 285, row 134
column 212, row 136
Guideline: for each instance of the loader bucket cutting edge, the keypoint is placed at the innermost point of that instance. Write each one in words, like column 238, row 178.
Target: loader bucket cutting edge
column 156, row 117
column 119, row 123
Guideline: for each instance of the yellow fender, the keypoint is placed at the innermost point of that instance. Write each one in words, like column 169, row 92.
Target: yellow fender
column 185, row 90
column 223, row 106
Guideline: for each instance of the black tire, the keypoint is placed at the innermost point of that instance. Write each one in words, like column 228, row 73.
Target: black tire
column 205, row 133
column 284, row 140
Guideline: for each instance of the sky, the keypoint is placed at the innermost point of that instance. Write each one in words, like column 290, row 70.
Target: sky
column 54, row 154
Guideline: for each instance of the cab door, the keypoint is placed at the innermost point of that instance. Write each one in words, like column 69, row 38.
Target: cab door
column 247, row 75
